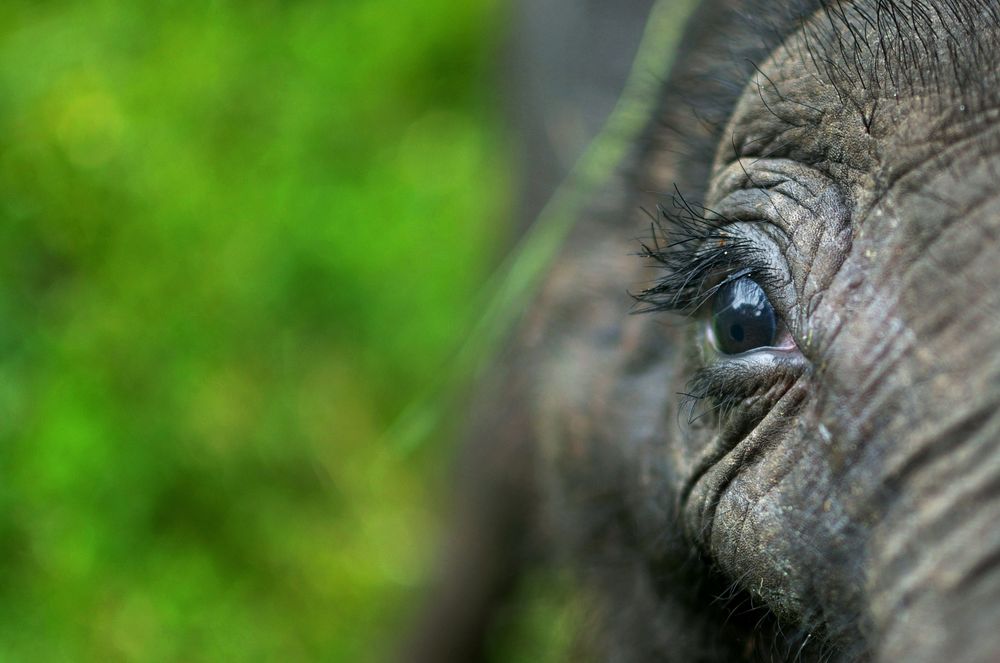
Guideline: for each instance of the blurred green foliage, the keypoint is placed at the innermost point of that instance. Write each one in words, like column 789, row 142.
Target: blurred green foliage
column 235, row 239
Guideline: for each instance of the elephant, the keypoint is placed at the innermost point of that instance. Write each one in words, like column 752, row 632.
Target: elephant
column 754, row 407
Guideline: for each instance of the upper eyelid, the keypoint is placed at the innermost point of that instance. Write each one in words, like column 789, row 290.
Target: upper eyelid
column 693, row 246
column 755, row 173
column 761, row 208
column 780, row 203
column 778, row 181
column 808, row 212
column 769, row 241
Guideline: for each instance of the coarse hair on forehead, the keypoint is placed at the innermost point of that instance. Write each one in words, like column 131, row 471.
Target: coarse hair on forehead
column 948, row 50
column 945, row 53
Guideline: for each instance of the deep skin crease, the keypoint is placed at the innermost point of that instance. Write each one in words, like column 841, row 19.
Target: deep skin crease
column 845, row 505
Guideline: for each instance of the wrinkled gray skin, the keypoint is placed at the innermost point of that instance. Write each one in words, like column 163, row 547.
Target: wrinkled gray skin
column 847, row 506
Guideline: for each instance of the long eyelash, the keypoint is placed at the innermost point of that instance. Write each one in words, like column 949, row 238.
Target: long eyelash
column 697, row 254
column 692, row 405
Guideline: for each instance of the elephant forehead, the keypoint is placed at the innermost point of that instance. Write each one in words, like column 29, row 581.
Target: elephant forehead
column 870, row 88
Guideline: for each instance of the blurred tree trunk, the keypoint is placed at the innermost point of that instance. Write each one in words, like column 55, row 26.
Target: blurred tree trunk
column 566, row 65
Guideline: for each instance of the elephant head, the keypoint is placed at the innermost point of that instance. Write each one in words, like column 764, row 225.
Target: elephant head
column 785, row 445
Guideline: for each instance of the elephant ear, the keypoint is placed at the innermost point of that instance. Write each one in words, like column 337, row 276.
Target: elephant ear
column 556, row 467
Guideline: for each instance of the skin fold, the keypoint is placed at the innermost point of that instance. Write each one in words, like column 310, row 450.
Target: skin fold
column 835, row 499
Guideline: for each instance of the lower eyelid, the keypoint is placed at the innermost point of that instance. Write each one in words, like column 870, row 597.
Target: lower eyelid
column 757, row 365
column 734, row 378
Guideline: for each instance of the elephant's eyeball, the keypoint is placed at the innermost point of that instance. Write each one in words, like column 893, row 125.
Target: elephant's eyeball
column 742, row 317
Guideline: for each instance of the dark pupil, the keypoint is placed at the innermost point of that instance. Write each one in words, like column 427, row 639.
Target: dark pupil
column 742, row 317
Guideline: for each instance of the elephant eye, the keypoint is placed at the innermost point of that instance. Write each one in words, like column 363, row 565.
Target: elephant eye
column 742, row 317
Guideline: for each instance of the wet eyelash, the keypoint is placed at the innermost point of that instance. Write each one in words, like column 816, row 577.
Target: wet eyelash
column 698, row 253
